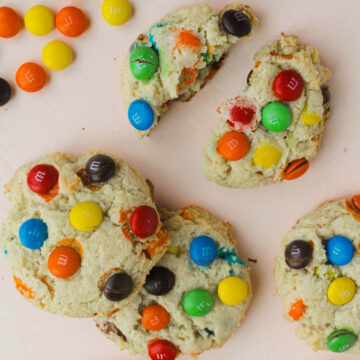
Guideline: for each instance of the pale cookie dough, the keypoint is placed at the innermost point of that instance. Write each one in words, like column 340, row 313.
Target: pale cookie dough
column 110, row 248
column 304, row 284
column 268, row 156
column 189, row 334
column 190, row 43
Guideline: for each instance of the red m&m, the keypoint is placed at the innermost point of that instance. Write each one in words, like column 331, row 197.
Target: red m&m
column 242, row 115
column 288, row 85
column 144, row 221
column 161, row 350
column 42, row 178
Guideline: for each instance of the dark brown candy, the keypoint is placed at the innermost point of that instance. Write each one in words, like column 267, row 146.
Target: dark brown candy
column 236, row 23
column 100, row 168
column 5, row 92
column 159, row 281
column 298, row 254
column 326, row 95
column 118, row 287
column 248, row 79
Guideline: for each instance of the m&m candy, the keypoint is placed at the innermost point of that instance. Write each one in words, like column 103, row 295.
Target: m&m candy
column 5, row 92
column 118, row 287
column 203, row 250
column 144, row 62
column 296, row 169
column 310, row 118
column 30, row 77
column 159, row 281
column 276, row 117
column 198, row 302
column 232, row 290
column 241, row 115
column 86, row 216
column 160, row 349
column 42, row 178
column 39, row 20
column 10, row 23
column 340, row 250
column 288, row 85
column 116, row 12
column 236, row 23
column 155, row 318
column 233, row 146
column 63, row 262
column 33, row 233
column 341, row 340
column 100, row 168
column 266, row 156
column 298, row 254
column 141, row 115
column 57, row 55
column 144, row 221
column 341, row 291
column 71, row 21
column 355, row 203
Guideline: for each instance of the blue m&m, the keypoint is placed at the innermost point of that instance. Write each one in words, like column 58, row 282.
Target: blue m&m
column 203, row 250
column 33, row 233
column 340, row 250
column 141, row 115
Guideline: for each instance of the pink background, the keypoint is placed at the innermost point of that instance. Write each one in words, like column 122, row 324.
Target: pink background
column 81, row 109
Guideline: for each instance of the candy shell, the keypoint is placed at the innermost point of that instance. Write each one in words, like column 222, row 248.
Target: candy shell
column 57, row 55
column 203, row 250
column 116, row 12
column 233, row 146
column 340, row 250
column 266, row 156
column 232, row 290
column 155, row 318
column 71, row 21
column 159, row 281
column 276, row 117
column 341, row 340
column 310, row 118
column 296, row 169
column 86, row 216
column 141, row 115
column 355, row 203
column 144, row 62
column 39, row 20
column 144, row 221
column 10, row 23
column 288, row 85
column 118, row 286
column 298, row 254
column 341, row 290
column 236, row 23
column 42, row 178
column 33, row 233
column 30, row 77
column 160, row 349
column 63, row 262
column 198, row 302
column 5, row 92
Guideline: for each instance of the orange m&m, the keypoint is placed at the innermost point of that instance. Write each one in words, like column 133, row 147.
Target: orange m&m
column 233, row 146
column 296, row 169
column 10, row 22
column 71, row 21
column 355, row 203
column 155, row 317
column 30, row 77
column 63, row 262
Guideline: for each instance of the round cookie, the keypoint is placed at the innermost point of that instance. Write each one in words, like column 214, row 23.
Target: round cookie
column 317, row 276
column 176, row 57
column 82, row 233
column 280, row 118
column 179, row 308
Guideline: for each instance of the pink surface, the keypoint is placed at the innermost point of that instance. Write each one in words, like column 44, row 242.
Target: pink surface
column 81, row 109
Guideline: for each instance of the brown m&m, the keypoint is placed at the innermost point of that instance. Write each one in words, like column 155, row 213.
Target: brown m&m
column 100, row 168
column 118, row 286
column 298, row 254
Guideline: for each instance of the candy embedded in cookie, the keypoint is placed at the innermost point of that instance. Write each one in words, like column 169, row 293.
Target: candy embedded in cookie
column 281, row 114
column 175, row 58
column 82, row 234
column 317, row 277
column 193, row 299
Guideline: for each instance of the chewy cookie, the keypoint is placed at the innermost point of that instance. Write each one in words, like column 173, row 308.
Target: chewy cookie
column 82, row 233
column 272, row 132
column 317, row 276
column 193, row 299
column 176, row 57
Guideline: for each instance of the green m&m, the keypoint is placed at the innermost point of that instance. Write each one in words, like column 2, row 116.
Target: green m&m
column 198, row 302
column 276, row 117
column 144, row 62
column 341, row 340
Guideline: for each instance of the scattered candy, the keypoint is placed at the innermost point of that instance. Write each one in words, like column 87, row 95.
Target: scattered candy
column 5, row 92
column 42, row 178
column 144, row 62
column 297, row 310
column 232, row 291
column 266, row 156
column 298, row 254
column 116, row 12
column 71, row 21
column 57, row 55
column 155, row 318
column 288, row 85
column 233, row 146
column 198, row 302
column 144, row 221
column 141, row 115
column 341, row 291
column 159, row 281
column 310, row 118
column 340, row 250
column 236, row 23
column 63, row 262
column 118, row 287
column 276, row 117
column 203, row 250
column 39, row 20
column 296, row 169
column 161, row 350
column 33, row 233
column 341, row 340
column 355, row 202
column 100, row 168
column 30, row 77
column 241, row 115
column 86, row 216
column 10, row 23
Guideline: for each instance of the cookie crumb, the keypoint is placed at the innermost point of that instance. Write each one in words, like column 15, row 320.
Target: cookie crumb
column 252, row 260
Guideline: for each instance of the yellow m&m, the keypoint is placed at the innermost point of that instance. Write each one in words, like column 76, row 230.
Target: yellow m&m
column 232, row 291
column 116, row 12
column 266, row 156
column 310, row 118
column 86, row 216
column 39, row 20
column 341, row 291
column 57, row 55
